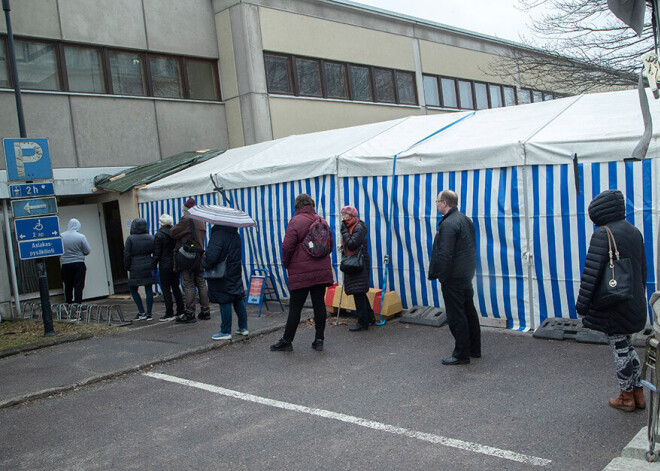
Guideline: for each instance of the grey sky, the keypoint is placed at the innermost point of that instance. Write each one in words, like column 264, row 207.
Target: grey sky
column 497, row 18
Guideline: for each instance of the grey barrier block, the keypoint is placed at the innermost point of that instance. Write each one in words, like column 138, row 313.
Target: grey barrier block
column 562, row 329
column 424, row 315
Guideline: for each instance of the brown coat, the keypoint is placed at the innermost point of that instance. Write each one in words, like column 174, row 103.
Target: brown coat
column 181, row 231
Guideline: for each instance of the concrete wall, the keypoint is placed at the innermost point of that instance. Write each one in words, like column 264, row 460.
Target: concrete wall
column 301, row 115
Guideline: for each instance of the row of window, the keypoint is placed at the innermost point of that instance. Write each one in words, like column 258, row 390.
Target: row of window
column 450, row 92
column 303, row 76
column 50, row 65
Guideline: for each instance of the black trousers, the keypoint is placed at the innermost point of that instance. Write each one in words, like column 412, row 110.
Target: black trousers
column 362, row 309
column 73, row 277
column 462, row 319
column 169, row 284
column 296, row 302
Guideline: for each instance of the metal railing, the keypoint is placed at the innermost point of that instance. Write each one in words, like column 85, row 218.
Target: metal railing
column 109, row 313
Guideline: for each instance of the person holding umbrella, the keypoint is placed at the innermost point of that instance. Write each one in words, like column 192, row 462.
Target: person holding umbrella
column 227, row 290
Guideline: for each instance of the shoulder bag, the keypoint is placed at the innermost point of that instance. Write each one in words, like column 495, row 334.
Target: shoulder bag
column 352, row 263
column 219, row 270
column 615, row 284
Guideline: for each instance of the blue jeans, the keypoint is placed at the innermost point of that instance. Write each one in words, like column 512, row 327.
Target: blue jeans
column 225, row 314
column 138, row 301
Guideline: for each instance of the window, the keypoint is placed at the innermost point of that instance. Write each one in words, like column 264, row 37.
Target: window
column 384, row 85
column 481, row 94
column 360, row 83
column 166, row 76
column 405, row 87
column 449, row 98
column 278, row 75
column 36, row 63
column 548, row 96
column 538, row 96
column 465, row 94
column 431, row 94
column 201, row 76
column 83, row 68
column 524, row 96
column 126, row 72
column 495, row 95
column 4, row 74
column 308, row 74
column 509, row 96
column 335, row 76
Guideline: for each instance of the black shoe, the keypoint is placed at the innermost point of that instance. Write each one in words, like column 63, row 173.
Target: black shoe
column 204, row 316
column 475, row 355
column 455, row 361
column 281, row 346
column 317, row 345
column 186, row 319
column 372, row 321
column 358, row 327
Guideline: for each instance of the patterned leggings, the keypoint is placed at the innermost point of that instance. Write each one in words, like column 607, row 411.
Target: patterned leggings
column 628, row 367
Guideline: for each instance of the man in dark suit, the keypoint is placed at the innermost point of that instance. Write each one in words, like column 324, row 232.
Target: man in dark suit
column 453, row 263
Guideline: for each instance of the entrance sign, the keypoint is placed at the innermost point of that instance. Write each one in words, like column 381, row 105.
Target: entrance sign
column 27, row 159
column 31, row 190
column 34, row 207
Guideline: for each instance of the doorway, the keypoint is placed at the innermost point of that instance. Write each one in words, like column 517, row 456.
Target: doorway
column 115, row 246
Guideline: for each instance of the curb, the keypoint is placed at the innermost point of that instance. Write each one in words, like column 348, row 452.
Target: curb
column 133, row 369
column 44, row 344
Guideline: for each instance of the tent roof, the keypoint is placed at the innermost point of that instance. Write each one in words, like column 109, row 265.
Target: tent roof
column 598, row 127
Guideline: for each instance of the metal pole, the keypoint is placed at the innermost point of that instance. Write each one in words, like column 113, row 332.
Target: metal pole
column 46, row 313
column 12, row 265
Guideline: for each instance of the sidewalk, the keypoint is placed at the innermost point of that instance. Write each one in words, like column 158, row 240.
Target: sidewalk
column 42, row 372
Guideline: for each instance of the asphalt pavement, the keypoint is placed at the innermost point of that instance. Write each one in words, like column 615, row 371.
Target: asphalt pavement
column 536, row 399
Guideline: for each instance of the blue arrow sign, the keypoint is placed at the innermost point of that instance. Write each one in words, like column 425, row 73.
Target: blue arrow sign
column 31, row 190
column 34, row 207
column 37, row 228
column 40, row 248
column 27, row 159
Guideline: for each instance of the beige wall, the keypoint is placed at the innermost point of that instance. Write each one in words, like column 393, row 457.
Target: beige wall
column 306, row 36
column 440, row 59
column 299, row 116
column 227, row 61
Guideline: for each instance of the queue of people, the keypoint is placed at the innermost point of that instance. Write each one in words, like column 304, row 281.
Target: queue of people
column 619, row 310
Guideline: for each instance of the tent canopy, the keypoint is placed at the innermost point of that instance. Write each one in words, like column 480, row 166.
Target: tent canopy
column 598, row 127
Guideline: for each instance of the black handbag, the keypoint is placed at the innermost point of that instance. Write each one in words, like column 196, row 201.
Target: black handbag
column 352, row 263
column 219, row 270
column 615, row 284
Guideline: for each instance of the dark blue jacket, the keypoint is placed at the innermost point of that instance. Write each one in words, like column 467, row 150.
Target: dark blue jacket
column 225, row 243
column 138, row 251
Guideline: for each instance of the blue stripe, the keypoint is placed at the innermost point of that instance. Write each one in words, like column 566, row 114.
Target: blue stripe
column 477, row 233
column 398, row 215
column 504, row 256
column 647, row 219
column 378, row 216
column 551, row 240
column 630, row 191
column 581, row 220
column 431, row 209
column 566, row 229
column 366, row 217
column 490, row 251
column 538, row 262
column 419, row 235
column 408, row 220
column 611, row 167
column 517, row 248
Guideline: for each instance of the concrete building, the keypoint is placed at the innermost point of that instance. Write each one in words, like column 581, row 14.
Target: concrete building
column 123, row 83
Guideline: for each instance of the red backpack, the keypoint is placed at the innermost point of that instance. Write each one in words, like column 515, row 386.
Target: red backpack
column 319, row 241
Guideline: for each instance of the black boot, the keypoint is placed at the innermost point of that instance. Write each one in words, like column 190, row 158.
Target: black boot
column 282, row 346
column 186, row 319
column 359, row 327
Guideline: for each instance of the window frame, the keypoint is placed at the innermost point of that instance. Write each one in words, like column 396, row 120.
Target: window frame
column 289, row 66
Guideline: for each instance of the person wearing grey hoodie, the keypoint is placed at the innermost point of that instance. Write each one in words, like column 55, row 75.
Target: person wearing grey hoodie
column 72, row 260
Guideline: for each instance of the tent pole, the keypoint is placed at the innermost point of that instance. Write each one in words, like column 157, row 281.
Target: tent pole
column 530, row 255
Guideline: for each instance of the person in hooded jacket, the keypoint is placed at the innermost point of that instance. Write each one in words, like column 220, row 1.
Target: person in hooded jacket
column 619, row 321
column 354, row 236
column 307, row 275
column 76, row 248
column 228, row 291
column 138, row 261
column 164, row 262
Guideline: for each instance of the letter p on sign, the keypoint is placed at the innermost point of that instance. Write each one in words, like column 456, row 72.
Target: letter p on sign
column 27, row 159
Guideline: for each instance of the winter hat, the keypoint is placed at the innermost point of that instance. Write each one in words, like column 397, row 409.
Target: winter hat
column 350, row 210
column 190, row 203
column 165, row 220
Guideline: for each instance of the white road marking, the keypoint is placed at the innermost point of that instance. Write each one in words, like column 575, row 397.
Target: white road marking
column 427, row 437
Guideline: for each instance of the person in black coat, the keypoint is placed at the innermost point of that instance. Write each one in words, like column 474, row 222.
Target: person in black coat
column 164, row 261
column 228, row 291
column 138, row 261
column 453, row 263
column 619, row 321
column 354, row 236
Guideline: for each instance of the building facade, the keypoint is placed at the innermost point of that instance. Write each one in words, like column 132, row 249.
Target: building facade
column 123, row 83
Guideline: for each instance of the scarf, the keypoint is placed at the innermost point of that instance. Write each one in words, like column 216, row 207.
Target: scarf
column 350, row 224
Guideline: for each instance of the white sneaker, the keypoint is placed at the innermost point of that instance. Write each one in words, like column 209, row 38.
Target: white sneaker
column 139, row 317
column 244, row 332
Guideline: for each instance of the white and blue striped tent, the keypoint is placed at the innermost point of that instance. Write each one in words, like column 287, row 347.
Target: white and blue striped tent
column 512, row 168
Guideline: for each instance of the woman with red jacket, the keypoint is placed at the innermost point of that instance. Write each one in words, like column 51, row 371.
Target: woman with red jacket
column 307, row 275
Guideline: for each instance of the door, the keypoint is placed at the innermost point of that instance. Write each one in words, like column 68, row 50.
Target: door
column 97, row 279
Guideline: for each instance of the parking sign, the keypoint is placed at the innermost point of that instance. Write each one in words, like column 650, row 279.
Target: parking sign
column 27, row 159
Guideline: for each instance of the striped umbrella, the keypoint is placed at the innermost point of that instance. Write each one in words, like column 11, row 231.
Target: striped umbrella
column 223, row 215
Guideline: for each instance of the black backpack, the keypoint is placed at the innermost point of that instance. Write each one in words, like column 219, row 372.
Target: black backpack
column 189, row 255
